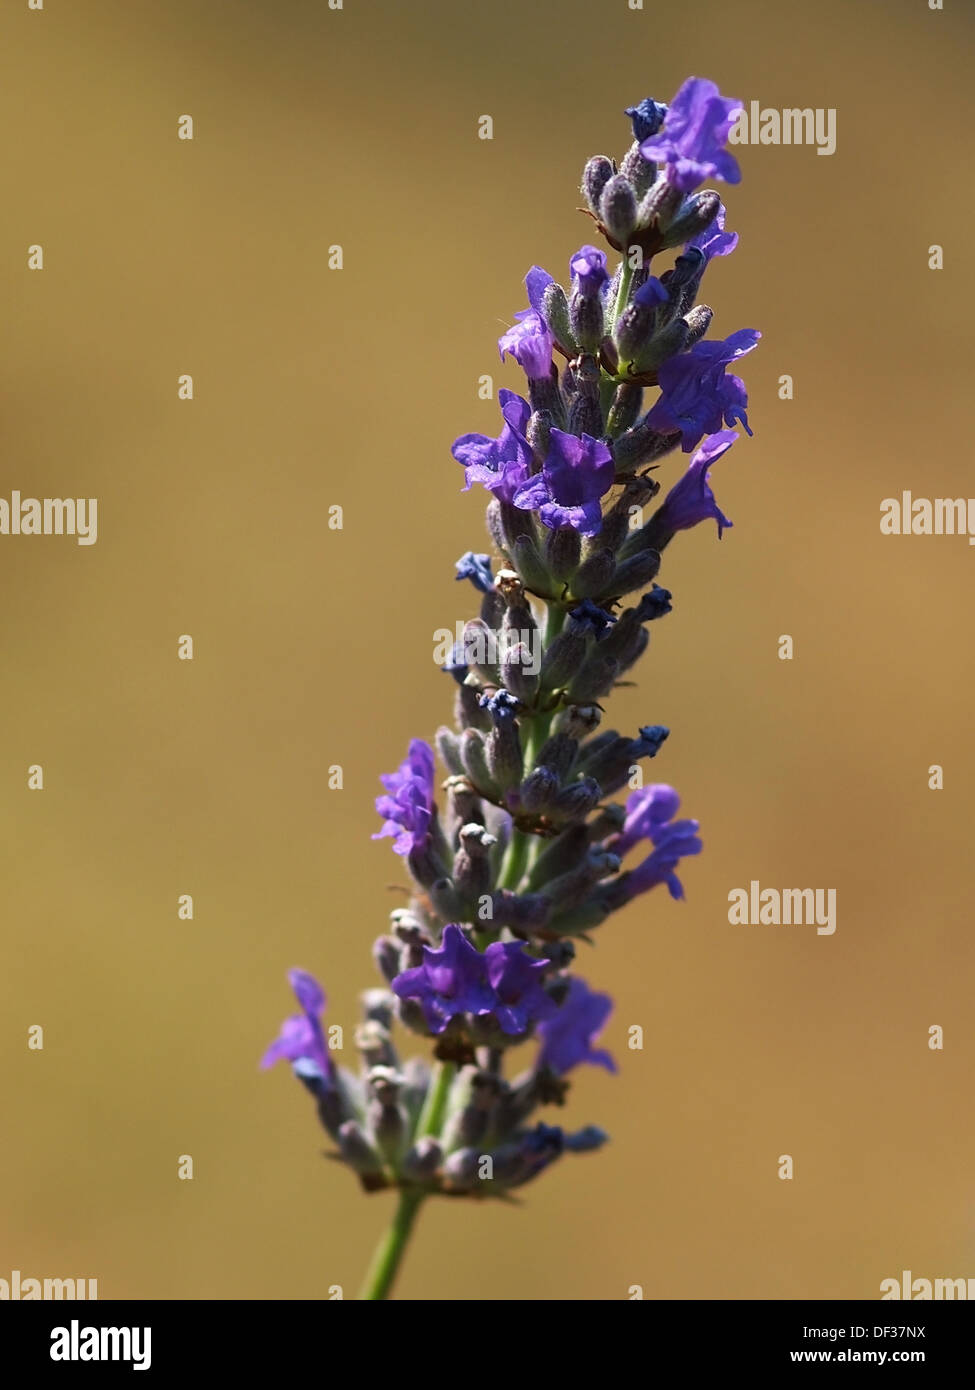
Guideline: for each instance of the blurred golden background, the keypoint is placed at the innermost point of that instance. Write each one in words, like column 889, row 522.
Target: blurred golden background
column 313, row 647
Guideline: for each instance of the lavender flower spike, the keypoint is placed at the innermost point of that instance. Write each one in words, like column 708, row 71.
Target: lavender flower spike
column 529, row 849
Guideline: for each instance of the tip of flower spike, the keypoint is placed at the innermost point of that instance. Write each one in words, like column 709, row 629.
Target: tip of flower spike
column 647, row 117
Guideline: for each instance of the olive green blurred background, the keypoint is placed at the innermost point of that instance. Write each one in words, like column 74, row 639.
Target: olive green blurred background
column 314, row 647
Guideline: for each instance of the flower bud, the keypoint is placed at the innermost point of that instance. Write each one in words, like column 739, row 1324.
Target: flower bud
column 520, row 911
column 576, row 882
column 473, row 756
column 595, row 176
column 555, row 311
column 472, row 867
column 642, row 173
column 374, row 1045
column 463, row 803
column 460, row 1170
column 356, row 1150
column 625, row 409
column 666, row 342
column 531, row 567
column 448, row 746
column 387, row 1119
column 561, row 660
column 579, row 721
column 617, row 209
column 595, row 575
column 378, row 1006
column 562, row 550
column 559, row 856
column 422, row 1161
column 586, row 318
column 575, row 802
column 537, row 791
column 698, row 322
column 480, row 652
column 659, row 206
column 642, row 445
column 695, row 216
column 517, row 674
column 447, row 901
column 594, row 680
column 386, row 953
column 558, row 754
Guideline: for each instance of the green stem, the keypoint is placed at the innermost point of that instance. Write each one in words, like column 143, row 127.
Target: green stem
column 523, row 848
column 389, row 1252
column 623, row 292
column 391, row 1249
column 435, row 1105
column 515, row 858
column 554, row 622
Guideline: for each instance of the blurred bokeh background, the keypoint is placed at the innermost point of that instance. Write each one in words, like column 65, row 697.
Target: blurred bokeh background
column 314, row 647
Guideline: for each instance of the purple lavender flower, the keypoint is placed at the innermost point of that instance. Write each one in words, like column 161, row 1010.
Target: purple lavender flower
column 501, row 465
column 407, row 809
column 537, row 1149
column 589, row 273
column 516, row 979
column 302, row 1039
column 577, row 471
column 651, row 293
column 452, row 980
column 529, row 340
column 647, row 809
column 697, row 396
column 534, row 1150
column 691, row 500
column 649, row 742
column 567, row 1038
column 537, row 282
column 714, row 240
column 503, row 982
column 476, row 568
column 502, row 706
column 589, row 617
column 530, row 343
column 693, row 136
column 655, row 604
column 673, row 840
